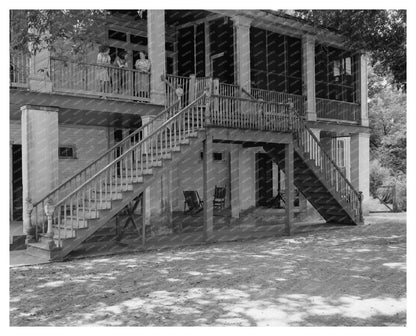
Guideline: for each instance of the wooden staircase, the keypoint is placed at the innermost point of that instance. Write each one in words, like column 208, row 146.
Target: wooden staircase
column 86, row 202
column 76, row 209
column 318, row 177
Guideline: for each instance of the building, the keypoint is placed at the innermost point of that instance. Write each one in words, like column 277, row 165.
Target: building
column 255, row 101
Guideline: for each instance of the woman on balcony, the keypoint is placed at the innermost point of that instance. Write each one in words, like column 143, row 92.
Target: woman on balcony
column 120, row 75
column 142, row 82
column 103, row 77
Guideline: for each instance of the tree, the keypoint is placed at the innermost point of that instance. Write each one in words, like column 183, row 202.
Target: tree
column 57, row 30
column 381, row 33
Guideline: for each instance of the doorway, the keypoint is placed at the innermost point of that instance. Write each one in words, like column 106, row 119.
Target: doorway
column 17, row 185
column 264, row 180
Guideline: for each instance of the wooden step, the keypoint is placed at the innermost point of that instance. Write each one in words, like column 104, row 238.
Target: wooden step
column 106, row 196
column 64, row 232
column 73, row 222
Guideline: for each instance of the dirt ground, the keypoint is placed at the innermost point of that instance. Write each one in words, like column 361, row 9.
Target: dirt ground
column 349, row 276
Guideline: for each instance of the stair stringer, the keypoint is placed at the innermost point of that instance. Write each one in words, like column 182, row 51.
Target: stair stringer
column 340, row 211
column 82, row 234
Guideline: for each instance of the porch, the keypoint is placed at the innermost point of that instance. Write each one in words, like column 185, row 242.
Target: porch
column 194, row 49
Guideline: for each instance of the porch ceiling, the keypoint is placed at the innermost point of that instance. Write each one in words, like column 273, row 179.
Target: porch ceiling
column 180, row 17
column 84, row 110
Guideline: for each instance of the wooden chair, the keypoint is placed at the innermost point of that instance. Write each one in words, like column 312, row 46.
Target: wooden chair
column 219, row 197
column 192, row 201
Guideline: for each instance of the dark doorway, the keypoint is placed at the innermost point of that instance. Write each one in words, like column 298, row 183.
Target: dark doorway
column 264, row 180
column 17, row 186
column 221, row 34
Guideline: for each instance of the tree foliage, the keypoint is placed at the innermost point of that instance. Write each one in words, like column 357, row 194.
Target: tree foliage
column 382, row 33
column 32, row 30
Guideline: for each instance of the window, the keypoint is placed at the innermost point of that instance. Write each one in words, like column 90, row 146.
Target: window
column 276, row 61
column 67, row 152
column 216, row 156
column 116, row 35
column 335, row 74
column 341, row 153
column 136, row 39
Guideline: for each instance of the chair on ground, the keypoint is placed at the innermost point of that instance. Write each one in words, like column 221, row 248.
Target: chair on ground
column 219, row 197
column 192, row 201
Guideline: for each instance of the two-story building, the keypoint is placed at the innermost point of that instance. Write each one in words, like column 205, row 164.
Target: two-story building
column 251, row 100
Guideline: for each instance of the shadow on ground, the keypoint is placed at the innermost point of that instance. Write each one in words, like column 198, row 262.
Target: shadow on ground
column 354, row 276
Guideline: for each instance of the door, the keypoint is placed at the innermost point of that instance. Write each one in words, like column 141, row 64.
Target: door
column 264, row 180
column 221, row 37
column 17, row 186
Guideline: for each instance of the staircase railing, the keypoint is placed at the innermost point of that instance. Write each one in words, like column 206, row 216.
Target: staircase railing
column 126, row 169
column 173, row 83
column 83, row 175
column 246, row 113
column 330, row 171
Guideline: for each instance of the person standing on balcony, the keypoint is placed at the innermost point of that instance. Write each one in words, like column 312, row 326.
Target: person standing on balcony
column 103, row 77
column 120, row 76
column 142, row 79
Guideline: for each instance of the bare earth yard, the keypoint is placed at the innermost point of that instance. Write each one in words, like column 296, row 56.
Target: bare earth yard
column 351, row 276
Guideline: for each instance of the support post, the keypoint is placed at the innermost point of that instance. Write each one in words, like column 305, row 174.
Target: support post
column 145, row 197
column 308, row 60
column 156, row 47
column 208, row 179
column 242, row 42
column 289, row 187
column 360, row 166
column 363, row 90
column 235, row 180
column 40, row 141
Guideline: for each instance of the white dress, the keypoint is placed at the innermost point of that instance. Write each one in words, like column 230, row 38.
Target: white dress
column 142, row 77
column 102, row 72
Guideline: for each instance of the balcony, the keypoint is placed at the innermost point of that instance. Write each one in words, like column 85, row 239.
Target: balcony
column 337, row 110
column 19, row 70
column 91, row 79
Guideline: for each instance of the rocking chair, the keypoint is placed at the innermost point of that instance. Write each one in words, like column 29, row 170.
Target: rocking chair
column 219, row 197
column 192, row 201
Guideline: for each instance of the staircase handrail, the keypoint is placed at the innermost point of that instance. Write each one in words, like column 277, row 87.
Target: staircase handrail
column 122, row 156
column 106, row 153
column 248, row 94
column 304, row 125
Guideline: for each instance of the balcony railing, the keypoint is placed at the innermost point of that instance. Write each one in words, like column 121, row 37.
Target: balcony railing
column 19, row 70
column 339, row 110
column 280, row 97
column 100, row 80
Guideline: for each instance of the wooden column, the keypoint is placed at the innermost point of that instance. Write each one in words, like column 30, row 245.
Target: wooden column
column 156, row 47
column 145, row 219
column 242, row 46
column 363, row 78
column 40, row 142
column 208, row 188
column 308, row 67
column 289, row 187
column 235, row 180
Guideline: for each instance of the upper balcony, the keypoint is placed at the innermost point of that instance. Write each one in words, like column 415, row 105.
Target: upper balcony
column 195, row 43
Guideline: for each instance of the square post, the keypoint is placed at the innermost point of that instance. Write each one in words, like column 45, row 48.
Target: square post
column 157, row 52
column 242, row 57
column 289, row 187
column 40, row 142
column 360, row 166
column 308, row 60
column 363, row 78
column 208, row 180
column 235, row 180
